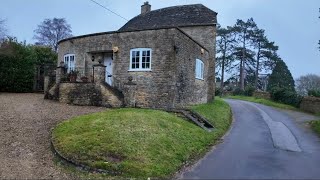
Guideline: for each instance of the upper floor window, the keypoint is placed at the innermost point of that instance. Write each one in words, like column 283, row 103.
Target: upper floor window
column 140, row 59
column 199, row 69
column 69, row 62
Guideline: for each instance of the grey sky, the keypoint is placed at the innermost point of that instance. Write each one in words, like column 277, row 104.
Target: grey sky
column 292, row 24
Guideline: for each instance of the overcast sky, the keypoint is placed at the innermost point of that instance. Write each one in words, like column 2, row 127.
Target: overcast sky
column 292, row 24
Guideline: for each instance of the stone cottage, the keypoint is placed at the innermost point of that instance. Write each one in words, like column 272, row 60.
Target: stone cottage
column 159, row 59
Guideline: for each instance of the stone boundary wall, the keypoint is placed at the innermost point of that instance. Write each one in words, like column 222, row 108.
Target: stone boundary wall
column 263, row 95
column 310, row 104
column 88, row 94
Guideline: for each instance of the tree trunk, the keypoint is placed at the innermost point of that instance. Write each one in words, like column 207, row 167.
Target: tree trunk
column 242, row 70
column 222, row 69
column 257, row 69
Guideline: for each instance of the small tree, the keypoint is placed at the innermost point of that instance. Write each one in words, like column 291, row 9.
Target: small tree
column 51, row 31
column 281, row 77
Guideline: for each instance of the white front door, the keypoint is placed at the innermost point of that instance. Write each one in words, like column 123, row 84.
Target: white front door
column 108, row 64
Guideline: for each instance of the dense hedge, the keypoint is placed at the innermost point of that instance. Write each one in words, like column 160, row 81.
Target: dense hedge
column 315, row 93
column 17, row 65
column 286, row 96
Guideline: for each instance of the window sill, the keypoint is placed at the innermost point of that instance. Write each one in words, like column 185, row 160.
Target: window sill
column 139, row 70
column 202, row 79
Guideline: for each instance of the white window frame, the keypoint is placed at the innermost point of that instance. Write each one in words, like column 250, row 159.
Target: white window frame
column 199, row 69
column 140, row 59
column 67, row 62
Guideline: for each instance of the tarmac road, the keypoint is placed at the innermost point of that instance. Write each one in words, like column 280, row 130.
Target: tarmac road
column 264, row 143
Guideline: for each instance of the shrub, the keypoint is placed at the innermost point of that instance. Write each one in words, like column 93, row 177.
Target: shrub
column 218, row 91
column 315, row 93
column 238, row 92
column 249, row 90
column 286, row 96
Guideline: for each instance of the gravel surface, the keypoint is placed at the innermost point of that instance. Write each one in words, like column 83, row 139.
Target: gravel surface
column 25, row 124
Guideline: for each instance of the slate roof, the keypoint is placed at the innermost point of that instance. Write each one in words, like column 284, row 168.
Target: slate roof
column 176, row 16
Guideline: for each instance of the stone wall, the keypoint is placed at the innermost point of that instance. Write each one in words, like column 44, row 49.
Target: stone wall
column 88, row 94
column 310, row 104
column 171, row 82
column 189, row 90
column 261, row 94
column 206, row 35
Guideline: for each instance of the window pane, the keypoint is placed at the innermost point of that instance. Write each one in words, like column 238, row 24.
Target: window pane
column 143, row 59
column 148, row 53
column 147, row 65
column 143, row 65
column 137, row 65
column 144, row 53
column 148, row 59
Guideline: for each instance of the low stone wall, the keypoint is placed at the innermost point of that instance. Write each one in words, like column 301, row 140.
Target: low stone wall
column 262, row 95
column 88, row 94
column 310, row 104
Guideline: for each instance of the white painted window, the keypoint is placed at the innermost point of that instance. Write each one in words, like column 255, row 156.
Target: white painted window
column 140, row 59
column 199, row 69
column 69, row 62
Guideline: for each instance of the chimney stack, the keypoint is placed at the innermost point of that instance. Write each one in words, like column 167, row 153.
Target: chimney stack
column 145, row 8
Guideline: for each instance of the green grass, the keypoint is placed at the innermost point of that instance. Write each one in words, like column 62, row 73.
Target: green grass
column 315, row 126
column 264, row 101
column 139, row 143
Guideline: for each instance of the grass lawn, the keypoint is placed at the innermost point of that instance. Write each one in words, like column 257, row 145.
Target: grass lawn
column 264, row 101
column 139, row 143
column 315, row 125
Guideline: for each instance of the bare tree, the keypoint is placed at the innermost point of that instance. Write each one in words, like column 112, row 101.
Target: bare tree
column 3, row 29
column 307, row 83
column 51, row 31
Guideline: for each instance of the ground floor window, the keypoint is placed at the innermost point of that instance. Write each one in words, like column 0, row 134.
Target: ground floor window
column 140, row 59
column 69, row 62
column 199, row 69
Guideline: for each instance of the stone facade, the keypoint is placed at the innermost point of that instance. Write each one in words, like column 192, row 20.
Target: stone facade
column 206, row 35
column 310, row 104
column 177, row 36
column 171, row 83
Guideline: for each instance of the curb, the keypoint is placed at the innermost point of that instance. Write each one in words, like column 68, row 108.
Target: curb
column 77, row 164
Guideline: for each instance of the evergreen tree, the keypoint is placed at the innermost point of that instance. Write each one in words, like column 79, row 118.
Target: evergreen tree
column 281, row 77
column 225, row 45
column 265, row 53
column 245, row 32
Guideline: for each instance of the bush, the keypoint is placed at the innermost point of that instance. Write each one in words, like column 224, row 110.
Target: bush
column 315, row 93
column 286, row 96
column 238, row 92
column 249, row 90
column 218, row 91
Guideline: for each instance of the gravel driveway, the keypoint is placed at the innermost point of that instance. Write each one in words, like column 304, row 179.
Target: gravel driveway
column 25, row 123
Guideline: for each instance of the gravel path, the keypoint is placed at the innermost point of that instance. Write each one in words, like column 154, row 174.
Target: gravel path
column 25, row 124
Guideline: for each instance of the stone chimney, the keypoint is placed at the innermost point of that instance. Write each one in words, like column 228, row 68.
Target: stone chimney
column 145, row 8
